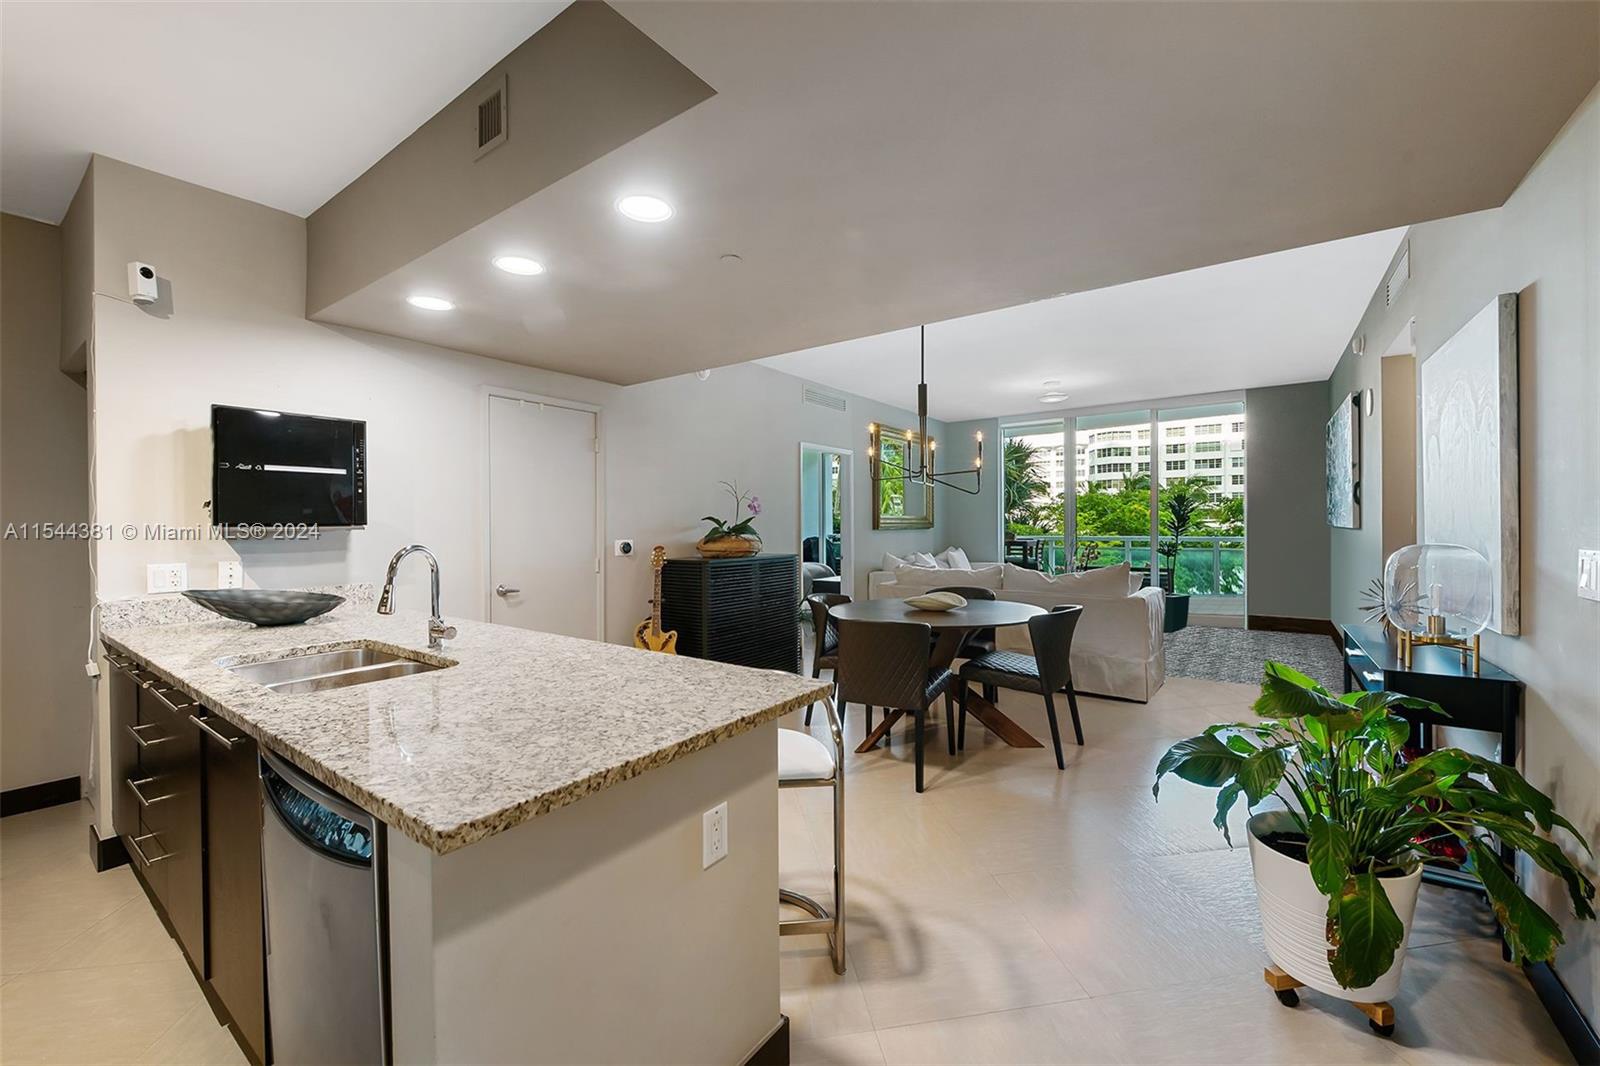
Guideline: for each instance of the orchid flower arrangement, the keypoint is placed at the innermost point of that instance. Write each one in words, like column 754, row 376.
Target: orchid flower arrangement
column 735, row 526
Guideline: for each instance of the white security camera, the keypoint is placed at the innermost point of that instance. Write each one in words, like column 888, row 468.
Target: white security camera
column 142, row 283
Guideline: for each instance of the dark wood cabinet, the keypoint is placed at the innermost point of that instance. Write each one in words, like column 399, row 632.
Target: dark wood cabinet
column 188, row 809
column 169, row 795
column 235, row 944
column 124, row 683
column 744, row 610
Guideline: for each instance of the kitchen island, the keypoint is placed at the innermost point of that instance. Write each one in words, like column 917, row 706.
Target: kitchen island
column 540, row 798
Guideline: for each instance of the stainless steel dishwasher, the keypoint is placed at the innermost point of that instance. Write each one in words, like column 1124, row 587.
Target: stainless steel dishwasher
column 321, row 861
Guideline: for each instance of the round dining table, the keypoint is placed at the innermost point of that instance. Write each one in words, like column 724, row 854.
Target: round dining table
column 950, row 629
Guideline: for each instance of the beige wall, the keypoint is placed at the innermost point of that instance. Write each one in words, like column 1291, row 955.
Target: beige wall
column 1544, row 243
column 77, row 276
column 44, row 477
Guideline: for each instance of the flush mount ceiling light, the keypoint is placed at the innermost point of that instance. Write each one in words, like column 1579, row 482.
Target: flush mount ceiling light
column 520, row 265
column 430, row 303
column 1053, row 393
column 645, row 208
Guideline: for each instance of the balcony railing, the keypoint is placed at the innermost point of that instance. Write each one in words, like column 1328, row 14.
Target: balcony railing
column 1207, row 566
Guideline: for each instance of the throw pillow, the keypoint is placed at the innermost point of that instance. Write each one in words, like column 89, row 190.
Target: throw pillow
column 921, row 559
column 954, row 559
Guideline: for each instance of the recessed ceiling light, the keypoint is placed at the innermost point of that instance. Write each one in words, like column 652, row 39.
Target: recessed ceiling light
column 519, row 264
column 645, row 208
column 431, row 303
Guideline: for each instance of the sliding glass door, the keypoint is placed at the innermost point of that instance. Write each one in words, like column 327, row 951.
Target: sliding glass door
column 1037, row 475
column 1112, row 501
column 1202, row 478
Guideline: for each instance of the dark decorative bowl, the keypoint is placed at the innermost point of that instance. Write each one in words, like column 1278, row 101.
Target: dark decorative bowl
column 265, row 607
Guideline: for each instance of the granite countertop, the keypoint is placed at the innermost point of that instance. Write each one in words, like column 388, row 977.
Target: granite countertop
column 522, row 724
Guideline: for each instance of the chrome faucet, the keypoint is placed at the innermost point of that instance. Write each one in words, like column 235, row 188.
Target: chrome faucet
column 437, row 630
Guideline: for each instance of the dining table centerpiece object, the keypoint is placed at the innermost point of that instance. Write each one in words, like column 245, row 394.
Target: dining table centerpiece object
column 737, row 536
column 1343, row 826
column 937, row 601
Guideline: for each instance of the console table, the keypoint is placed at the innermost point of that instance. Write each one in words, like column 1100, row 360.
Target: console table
column 1489, row 701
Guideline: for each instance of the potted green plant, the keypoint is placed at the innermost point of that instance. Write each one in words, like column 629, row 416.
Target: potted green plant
column 736, row 536
column 1337, row 867
column 1184, row 502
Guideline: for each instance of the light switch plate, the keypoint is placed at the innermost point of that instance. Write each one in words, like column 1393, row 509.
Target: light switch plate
column 166, row 577
column 230, row 575
column 1589, row 573
column 714, row 836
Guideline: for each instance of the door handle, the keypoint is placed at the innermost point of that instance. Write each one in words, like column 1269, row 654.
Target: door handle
column 504, row 591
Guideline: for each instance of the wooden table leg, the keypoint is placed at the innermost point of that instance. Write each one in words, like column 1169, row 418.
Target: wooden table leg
column 998, row 724
column 879, row 731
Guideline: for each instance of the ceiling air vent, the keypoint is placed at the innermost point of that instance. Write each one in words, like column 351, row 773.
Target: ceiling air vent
column 819, row 398
column 492, row 118
column 1398, row 278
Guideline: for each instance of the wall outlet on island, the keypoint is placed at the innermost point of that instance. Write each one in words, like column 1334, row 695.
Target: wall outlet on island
column 166, row 577
column 714, row 837
column 230, row 575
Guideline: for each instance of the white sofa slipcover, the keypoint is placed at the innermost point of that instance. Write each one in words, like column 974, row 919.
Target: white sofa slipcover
column 1118, row 648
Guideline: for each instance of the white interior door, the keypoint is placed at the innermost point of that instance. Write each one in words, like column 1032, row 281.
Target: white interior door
column 544, row 566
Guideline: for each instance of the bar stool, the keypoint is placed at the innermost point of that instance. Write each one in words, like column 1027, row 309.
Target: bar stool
column 805, row 762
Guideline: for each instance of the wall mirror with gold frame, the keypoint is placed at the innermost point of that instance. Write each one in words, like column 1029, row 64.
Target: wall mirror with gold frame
column 896, row 502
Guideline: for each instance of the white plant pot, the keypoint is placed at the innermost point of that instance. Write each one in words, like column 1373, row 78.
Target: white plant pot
column 1294, row 915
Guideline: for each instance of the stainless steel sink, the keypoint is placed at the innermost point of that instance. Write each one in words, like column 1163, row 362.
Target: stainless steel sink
column 316, row 671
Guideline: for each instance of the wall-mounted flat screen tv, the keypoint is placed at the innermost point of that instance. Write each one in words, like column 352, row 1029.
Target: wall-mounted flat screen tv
column 279, row 468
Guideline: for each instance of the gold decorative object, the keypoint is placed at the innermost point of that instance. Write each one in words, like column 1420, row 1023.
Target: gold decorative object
column 728, row 547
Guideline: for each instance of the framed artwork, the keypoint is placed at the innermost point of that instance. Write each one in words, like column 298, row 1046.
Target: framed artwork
column 1470, row 483
column 1343, row 464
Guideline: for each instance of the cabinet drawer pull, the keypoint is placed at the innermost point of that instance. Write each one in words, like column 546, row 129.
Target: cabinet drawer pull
column 146, row 801
column 161, row 694
column 133, row 842
column 205, row 725
column 140, row 737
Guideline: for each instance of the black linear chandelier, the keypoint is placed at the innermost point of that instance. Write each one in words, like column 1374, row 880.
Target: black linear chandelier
column 919, row 443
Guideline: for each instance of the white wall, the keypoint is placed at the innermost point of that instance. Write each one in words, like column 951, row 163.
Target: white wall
column 670, row 442
column 1544, row 243
column 44, row 478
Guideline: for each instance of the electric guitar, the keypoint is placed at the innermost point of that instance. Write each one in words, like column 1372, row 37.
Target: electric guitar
column 649, row 634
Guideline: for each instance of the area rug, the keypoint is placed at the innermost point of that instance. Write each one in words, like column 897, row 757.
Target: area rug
column 1220, row 654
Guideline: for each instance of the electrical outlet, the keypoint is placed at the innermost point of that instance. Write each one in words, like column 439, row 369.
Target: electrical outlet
column 1589, row 573
column 230, row 575
column 166, row 577
column 714, row 842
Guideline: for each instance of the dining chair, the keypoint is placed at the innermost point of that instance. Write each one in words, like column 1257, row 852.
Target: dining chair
column 1047, row 671
column 885, row 664
column 805, row 762
column 825, row 648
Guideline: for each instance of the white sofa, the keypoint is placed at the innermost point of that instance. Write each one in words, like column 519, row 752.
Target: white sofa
column 1118, row 648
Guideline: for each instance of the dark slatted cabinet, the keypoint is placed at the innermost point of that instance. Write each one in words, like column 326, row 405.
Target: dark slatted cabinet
column 743, row 611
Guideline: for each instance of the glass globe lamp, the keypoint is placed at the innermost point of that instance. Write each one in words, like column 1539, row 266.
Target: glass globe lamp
column 1438, row 594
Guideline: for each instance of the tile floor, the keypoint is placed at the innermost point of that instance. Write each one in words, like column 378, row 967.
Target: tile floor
column 87, row 972
column 1010, row 914
column 1014, row 913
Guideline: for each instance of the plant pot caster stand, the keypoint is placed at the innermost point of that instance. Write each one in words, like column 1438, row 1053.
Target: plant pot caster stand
column 1380, row 1016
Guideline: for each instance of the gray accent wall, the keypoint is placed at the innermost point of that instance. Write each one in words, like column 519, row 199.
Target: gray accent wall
column 1543, row 244
column 1286, row 528
column 973, row 523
